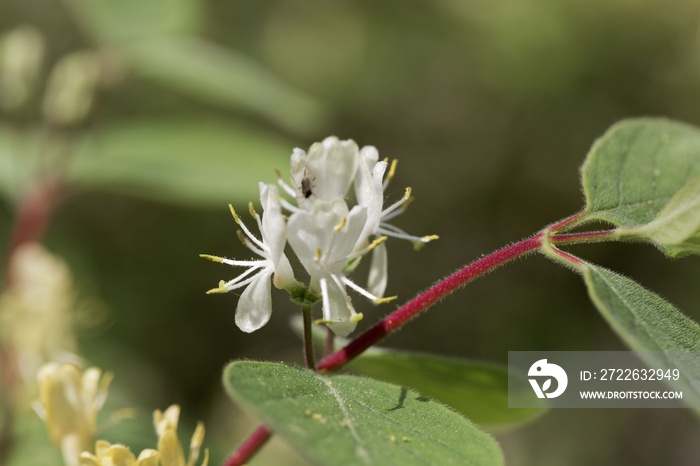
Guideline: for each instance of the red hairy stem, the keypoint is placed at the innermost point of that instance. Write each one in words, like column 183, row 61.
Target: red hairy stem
column 583, row 237
column 423, row 301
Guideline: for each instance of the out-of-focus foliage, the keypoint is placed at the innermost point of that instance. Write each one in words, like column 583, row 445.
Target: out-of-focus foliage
column 490, row 107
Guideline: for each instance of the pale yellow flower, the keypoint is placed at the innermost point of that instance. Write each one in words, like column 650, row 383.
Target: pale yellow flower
column 169, row 453
column 169, row 446
column 35, row 312
column 69, row 400
column 107, row 454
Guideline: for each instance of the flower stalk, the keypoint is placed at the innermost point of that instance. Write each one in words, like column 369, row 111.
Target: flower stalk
column 308, row 339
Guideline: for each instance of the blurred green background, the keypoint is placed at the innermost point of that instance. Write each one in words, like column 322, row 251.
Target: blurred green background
column 490, row 107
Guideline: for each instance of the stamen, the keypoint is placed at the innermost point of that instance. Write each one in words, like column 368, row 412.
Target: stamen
column 339, row 280
column 248, row 244
column 237, row 263
column 395, row 232
column 376, row 242
column 220, row 289
column 357, row 317
column 288, row 189
column 397, row 204
column 366, row 293
column 325, row 300
column 247, row 232
column 243, row 279
column 364, row 251
column 233, row 212
column 318, row 254
column 288, row 206
column 255, row 215
column 340, row 225
column 390, row 175
column 212, row 258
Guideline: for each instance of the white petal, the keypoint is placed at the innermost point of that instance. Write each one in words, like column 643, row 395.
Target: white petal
column 284, row 275
column 370, row 194
column 332, row 164
column 370, row 155
column 378, row 271
column 297, row 166
column 346, row 239
column 305, row 237
column 255, row 304
column 274, row 227
column 311, row 231
column 340, row 312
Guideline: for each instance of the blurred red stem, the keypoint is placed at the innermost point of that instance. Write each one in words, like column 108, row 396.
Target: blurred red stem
column 249, row 448
column 32, row 219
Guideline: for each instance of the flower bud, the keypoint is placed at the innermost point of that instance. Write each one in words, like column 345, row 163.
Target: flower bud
column 71, row 88
column 21, row 55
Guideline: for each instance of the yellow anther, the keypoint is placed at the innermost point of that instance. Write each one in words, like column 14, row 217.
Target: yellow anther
column 418, row 245
column 317, row 256
column 235, row 215
column 407, row 194
column 252, row 211
column 392, row 170
column 340, row 225
column 385, row 300
column 376, row 242
column 220, row 289
column 324, row 321
column 278, row 173
column 241, row 237
column 212, row 258
column 356, row 317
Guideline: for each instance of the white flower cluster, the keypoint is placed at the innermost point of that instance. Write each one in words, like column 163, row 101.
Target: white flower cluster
column 324, row 231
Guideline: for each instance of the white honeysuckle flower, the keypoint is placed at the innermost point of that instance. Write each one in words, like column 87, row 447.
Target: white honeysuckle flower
column 69, row 400
column 255, row 304
column 324, row 240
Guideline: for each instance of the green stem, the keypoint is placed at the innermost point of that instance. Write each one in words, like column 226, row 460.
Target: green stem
column 308, row 339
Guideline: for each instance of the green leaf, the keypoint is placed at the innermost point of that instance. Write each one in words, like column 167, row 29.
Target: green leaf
column 642, row 176
column 224, row 78
column 157, row 40
column 113, row 22
column 647, row 322
column 23, row 153
column 348, row 420
column 185, row 161
column 478, row 390
column 678, row 221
